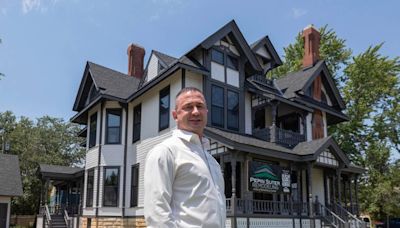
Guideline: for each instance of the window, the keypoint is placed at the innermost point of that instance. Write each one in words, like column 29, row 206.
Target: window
column 233, row 110
column 232, row 62
column 134, row 185
column 89, row 188
column 113, row 133
column 217, row 106
column 217, row 56
column 93, row 129
column 164, row 109
column 111, row 186
column 137, row 113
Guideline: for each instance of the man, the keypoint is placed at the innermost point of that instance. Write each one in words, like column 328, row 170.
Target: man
column 183, row 183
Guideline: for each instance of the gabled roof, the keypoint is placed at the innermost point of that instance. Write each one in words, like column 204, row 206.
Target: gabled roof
column 316, row 147
column 166, row 60
column 109, row 83
column 231, row 28
column 266, row 42
column 10, row 176
column 298, row 82
column 305, row 151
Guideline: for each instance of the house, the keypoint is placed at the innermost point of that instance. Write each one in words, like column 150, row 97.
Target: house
column 281, row 168
column 10, row 186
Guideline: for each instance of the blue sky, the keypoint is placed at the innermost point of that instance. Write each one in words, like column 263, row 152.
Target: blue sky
column 46, row 43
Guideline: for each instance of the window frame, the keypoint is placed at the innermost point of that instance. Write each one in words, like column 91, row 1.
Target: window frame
column 114, row 111
column 137, row 122
column 93, row 138
column 163, row 93
column 89, row 203
column 104, row 185
column 135, row 198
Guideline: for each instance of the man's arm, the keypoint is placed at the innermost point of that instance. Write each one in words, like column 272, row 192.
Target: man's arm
column 158, row 179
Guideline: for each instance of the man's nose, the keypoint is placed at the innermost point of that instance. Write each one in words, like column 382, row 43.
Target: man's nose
column 195, row 110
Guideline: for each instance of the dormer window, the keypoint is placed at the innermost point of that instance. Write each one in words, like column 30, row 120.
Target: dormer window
column 217, row 56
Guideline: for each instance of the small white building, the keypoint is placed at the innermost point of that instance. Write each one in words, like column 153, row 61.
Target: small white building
column 281, row 168
column 10, row 186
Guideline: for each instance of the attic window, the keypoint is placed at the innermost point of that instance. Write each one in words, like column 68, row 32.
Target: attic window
column 217, row 56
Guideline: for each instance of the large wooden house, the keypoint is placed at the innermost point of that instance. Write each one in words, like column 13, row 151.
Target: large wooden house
column 281, row 168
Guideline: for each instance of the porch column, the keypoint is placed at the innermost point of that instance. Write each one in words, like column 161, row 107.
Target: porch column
column 46, row 188
column 233, row 179
column 339, row 186
column 273, row 127
column 309, row 190
column 356, row 193
column 310, row 196
column 333, row 190
column 345, row 191
column 351, row 196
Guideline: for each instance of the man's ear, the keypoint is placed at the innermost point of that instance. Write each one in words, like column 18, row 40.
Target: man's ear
column 174, row 114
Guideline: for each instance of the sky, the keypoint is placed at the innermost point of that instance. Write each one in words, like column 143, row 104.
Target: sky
column 46, row 43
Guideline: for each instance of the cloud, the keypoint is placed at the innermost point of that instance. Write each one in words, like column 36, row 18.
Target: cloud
column 162, row 8
column 298, row 12
column 40, row 5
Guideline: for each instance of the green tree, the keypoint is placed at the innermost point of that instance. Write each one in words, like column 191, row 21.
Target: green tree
column 369, row 83
column 47, row 140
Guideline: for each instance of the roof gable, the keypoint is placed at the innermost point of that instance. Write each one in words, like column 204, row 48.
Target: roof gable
column 300, row 81
column 237, row 37
column 265, row 51
column 107, row 82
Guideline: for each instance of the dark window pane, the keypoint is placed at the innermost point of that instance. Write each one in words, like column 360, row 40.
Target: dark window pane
column 232, row 62
column 89, row 188
column 137, row 112
column 217, row 106
column 93, row 129
column 233, row 110
column 217, row 56
column 113, row 135
column 217, row 96
column 111, row 186
column 113, row 120
column 134, row 185
column 164, row 109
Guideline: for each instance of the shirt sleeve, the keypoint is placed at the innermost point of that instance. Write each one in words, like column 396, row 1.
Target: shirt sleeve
column 158, row 179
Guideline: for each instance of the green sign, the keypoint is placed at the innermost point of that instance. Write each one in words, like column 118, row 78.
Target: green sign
column 268, row 178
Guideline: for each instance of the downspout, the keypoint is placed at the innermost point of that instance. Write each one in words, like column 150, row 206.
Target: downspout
column 125, row 106
column 99, row 157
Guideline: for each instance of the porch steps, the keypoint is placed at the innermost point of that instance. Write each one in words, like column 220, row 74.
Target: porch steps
column 57, row 221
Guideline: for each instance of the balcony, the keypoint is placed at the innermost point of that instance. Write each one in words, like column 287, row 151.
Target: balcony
column 280, row 136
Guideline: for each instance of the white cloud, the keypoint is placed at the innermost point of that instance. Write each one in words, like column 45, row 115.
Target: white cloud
column 40, row 5
column 298, row 12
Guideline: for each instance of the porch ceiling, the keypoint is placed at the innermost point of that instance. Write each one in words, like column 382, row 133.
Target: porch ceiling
column 56, row 172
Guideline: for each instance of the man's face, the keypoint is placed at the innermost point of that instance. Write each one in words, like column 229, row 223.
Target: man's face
column 190, row 113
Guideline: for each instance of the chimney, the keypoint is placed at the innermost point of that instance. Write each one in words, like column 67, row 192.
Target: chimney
column 135, row 60
column 311, row 38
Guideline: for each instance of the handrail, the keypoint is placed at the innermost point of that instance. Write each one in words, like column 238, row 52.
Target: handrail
column 67, row 218
column 337, row 222
column 358, row 221
column 48, row 217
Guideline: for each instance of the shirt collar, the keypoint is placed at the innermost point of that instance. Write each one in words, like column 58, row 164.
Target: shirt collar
column 191, row 137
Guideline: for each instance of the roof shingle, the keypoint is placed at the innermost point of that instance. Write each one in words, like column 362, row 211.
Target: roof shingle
column 10, row 177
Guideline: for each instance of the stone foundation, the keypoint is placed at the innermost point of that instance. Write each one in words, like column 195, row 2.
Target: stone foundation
column 104, row 222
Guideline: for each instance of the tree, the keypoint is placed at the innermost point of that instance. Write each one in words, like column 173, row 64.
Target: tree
column 47, row 140
column 369, row 83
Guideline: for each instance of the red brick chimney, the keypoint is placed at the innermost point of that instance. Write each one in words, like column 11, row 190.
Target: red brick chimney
column 311, row 38
column 135, row 60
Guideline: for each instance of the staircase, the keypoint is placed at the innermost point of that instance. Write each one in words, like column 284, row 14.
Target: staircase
column 58, row 221
column 337, row 217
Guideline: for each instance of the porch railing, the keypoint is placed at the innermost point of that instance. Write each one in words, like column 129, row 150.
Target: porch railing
column 281, row 136
column 329, row 216
column 349, row 217
column 267, row 207
column 288, row 138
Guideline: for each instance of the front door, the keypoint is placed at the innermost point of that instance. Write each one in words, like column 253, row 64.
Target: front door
column 3, row 215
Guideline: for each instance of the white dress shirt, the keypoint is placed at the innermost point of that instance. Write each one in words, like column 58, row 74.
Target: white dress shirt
column 183, row 184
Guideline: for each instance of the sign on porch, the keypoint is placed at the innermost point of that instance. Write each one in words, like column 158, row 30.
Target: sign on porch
column 269, row 178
